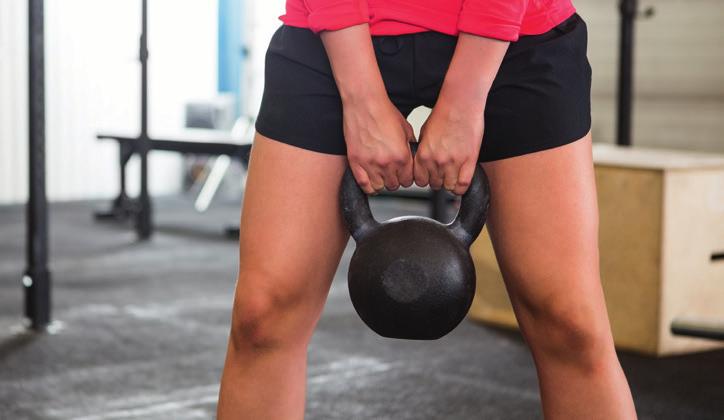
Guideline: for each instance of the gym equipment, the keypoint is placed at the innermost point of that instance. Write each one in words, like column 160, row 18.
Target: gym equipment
column 661, row 242
column 37, row 279
column 629, row 11
column 191, row 141
column 699, row 328
column 412, row 277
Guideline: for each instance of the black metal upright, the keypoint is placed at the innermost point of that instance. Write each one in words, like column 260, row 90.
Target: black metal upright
column 144, row 225
column 37, row 275
column 629, row 10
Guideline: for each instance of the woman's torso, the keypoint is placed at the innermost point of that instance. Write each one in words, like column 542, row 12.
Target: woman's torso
column 503, row 19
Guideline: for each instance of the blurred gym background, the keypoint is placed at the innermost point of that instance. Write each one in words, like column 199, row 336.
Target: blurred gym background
column 138, row 327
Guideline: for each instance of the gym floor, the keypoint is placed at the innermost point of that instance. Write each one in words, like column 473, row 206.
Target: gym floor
column 141, row 333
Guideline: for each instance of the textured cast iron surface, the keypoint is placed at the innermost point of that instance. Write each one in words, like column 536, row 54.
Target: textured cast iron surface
column 408, row 279
column 412, row 277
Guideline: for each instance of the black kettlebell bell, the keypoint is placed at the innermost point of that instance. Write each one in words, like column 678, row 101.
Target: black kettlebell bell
column 412, row 277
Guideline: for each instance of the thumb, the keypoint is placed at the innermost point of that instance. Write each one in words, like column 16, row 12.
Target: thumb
column 409, row 131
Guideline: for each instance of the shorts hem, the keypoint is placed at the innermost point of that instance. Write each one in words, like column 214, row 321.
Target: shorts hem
column 296, row 141
column 539, row 148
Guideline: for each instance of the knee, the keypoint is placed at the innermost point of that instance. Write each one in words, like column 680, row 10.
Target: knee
column 572, row 333
column 267, row 317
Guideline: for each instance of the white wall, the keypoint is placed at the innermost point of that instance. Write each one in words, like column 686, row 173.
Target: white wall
column 92, row 84
column 13, row 100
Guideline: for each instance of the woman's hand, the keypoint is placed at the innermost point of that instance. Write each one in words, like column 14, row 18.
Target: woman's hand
column 376, row 134
column 450, row 139
column 449, row 146
column 378, row 144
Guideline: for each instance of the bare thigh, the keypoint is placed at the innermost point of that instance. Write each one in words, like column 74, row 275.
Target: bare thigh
column 543, row 223
column 291, row 234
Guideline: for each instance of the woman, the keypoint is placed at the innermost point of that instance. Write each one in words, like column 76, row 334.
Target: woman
column 509, row 86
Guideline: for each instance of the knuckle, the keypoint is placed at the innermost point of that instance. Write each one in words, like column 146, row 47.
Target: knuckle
column 391, row 182
column 423, row 153
column 381, row 161
column 399, row 159
column 441, row 159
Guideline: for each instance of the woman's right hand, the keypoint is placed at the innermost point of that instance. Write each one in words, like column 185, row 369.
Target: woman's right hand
column 378, row 144
column 376, row 134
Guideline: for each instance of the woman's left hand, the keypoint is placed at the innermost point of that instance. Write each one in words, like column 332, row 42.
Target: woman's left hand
column 449, row 146
column 451, row 137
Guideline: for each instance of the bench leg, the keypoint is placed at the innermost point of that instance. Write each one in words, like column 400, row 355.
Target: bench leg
column 144, row 224
column 122, row 207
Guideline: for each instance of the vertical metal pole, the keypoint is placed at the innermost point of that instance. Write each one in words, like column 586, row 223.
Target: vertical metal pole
column 143, row 221
column 37, row 276
column 629, row 9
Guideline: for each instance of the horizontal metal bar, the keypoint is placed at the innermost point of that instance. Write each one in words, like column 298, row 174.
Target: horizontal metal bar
column 711, row 329
column 231, row 149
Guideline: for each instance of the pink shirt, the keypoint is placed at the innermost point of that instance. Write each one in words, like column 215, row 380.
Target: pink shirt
column 501, row 19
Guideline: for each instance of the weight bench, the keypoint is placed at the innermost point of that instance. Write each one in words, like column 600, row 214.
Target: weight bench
column 188, row 141
column 215, row 143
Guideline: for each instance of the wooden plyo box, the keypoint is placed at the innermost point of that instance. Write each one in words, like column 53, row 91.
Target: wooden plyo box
column 661, row 241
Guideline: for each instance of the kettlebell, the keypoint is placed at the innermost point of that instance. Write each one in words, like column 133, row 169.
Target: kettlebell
column 412, row 277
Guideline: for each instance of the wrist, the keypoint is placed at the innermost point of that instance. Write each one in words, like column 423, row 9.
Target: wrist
column 462, row 101
column 461, row 87
column 360, row 93
column 473, row 69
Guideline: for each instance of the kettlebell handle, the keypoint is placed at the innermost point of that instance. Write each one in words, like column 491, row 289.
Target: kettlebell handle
column 465, row 227
column 473, row 212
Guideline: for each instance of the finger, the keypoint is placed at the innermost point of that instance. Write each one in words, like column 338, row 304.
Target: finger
column 436, row 176
column 450, row 173
column 422, row 176
column 409, row 131
column 377, row 181
column 390, row 178
column 363, row 179
column 465, row 176
column 405, row 173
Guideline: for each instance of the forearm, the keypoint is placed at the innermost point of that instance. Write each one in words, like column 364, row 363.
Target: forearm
column 376, row 133
column 472, row 70
column 453, row 132
column 353, row 62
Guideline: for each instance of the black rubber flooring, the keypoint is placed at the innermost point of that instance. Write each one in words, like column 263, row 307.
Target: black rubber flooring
column 141, row 332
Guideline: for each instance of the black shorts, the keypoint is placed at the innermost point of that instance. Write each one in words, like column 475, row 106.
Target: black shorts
column 540, row 99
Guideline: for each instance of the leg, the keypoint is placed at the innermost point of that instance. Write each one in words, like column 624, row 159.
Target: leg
column 543, row 223
column 291, row 240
